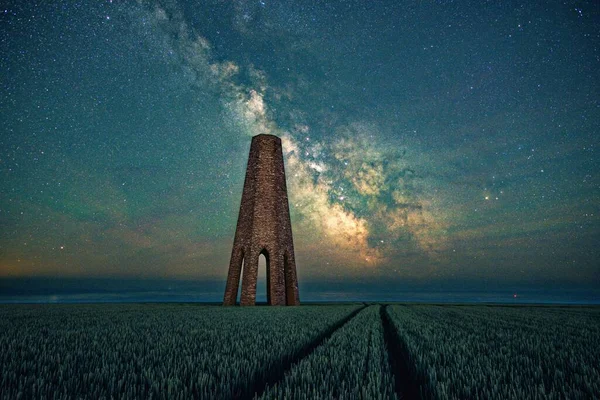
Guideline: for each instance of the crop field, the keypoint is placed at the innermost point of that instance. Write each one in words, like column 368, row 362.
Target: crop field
column 501, row 352
column 354, row 351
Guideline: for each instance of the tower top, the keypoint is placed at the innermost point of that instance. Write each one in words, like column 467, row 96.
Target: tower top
column 266, row 135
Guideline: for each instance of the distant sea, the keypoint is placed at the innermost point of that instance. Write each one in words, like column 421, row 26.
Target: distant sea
column 71, row 290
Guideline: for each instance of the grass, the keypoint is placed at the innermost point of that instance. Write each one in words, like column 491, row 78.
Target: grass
column 312, row 351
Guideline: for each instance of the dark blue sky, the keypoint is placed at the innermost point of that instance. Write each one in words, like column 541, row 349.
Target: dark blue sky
column 425, row 141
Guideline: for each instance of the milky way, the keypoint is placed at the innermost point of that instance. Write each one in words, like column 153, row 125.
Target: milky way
column 422, row 141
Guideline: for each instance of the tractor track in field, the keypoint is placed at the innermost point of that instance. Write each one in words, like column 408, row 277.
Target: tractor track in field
column 407, row 384
column 277, row 371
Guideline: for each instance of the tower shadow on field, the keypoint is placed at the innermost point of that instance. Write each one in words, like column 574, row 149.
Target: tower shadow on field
column 263, row 227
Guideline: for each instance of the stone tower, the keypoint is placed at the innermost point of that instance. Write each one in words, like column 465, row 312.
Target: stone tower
column 264, row 227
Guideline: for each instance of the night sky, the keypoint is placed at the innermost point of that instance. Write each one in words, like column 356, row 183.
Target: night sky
column 424, row 141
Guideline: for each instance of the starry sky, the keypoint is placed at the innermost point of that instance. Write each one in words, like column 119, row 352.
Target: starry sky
column 424, row 141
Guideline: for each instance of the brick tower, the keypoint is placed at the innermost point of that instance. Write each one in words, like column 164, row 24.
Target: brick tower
column 264, row 227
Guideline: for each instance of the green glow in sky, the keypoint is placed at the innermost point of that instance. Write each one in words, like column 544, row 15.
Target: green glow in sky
column 422, row 140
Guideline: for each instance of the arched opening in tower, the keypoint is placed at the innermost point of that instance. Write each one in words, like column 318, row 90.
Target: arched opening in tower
column 238, row 296
column 263, row 284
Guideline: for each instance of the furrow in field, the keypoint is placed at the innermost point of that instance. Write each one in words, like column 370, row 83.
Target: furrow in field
column 276, row 372
column 406, row 382
column 352, row 363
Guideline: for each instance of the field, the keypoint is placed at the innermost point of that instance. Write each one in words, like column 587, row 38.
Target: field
column 314, row 352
